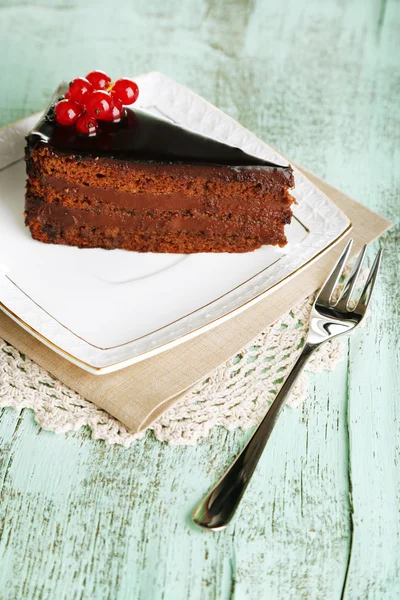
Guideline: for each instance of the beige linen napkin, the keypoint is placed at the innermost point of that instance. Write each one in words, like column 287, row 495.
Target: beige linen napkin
column 138, row 394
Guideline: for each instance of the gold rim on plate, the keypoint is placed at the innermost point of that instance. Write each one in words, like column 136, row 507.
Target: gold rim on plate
column 171, row 344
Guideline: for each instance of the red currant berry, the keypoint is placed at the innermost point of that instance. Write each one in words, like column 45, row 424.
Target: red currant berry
column 126, row 90
column 87, row 125
column 99, row 105
column 117, row 110
column 79, row 90
column 117, row 102
column 67, row 112
column 98, row 79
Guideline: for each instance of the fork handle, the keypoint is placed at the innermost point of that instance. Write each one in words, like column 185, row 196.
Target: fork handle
column 219, row 505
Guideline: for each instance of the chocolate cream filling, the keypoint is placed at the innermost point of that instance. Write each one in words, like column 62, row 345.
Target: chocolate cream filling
column 72, row 217
column 150, row 201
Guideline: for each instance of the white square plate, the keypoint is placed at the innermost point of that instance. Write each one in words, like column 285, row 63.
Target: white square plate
column 104, row 310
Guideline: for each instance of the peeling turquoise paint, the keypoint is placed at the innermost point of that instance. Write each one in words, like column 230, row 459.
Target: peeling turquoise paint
column 320, row 82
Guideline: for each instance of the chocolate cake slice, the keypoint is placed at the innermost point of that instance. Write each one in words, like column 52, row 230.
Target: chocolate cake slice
column 149, row 185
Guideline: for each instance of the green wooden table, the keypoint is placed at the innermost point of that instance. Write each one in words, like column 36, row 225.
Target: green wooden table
column 320, row 81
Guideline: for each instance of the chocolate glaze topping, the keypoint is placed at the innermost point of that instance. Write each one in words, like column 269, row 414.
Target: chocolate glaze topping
column 141, row 137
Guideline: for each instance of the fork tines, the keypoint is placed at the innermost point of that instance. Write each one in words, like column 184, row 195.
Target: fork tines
column 325, row 295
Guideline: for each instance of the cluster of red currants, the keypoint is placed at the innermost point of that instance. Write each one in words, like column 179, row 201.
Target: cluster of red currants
column 94, row 98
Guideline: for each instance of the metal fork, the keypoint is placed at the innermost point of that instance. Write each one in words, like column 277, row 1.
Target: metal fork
column 327, row 320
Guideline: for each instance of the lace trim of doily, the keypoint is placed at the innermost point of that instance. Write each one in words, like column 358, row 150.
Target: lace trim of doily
column 237, row 394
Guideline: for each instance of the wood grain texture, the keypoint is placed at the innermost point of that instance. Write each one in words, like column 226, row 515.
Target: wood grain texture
column 80, row 520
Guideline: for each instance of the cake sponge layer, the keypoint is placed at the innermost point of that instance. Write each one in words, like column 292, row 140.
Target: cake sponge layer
column 109, row 238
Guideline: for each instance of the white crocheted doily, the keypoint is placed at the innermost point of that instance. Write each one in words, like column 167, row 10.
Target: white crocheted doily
column 236, row 394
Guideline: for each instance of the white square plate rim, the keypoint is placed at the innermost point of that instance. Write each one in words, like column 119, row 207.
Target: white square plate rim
column 98, row 362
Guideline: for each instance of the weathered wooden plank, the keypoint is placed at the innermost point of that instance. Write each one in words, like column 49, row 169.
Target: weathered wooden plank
column 374, row 416
column 374, row 383
column 81, row 517
column 80, row 520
